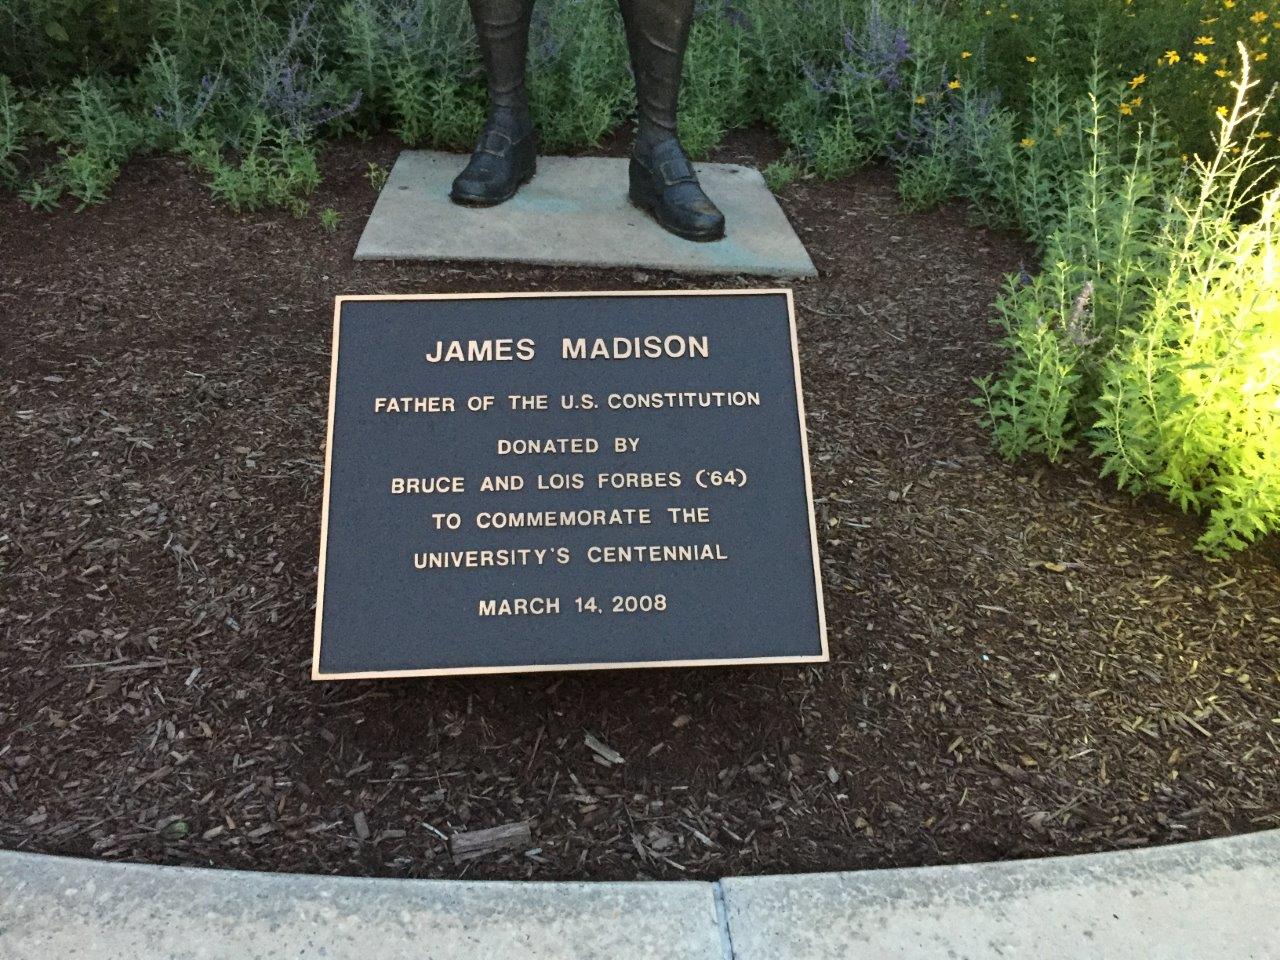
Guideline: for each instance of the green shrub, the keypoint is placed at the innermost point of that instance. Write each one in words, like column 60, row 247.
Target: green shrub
column 715, row 94
column 377, row 175
column 781, row 174
column 13, row 127
column 275, row 168
column 1191, row 397
column 50, row 42
column 410, row 61
column 579, row 87
column 97, row 132
column 786, row 43
column 178, row 105
column 1153, row 334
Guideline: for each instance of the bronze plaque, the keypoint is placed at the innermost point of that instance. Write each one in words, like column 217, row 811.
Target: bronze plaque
column 520, row 482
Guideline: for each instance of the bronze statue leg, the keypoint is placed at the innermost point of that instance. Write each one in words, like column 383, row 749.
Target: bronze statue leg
column 657, row 34
column 503, row 29
column 505, row 156
column 663, row 181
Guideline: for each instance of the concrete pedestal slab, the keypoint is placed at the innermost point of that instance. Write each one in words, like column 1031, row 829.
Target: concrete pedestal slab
column 575, row 212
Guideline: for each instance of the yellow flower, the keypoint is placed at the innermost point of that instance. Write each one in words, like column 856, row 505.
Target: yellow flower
column 1031, row 59
column 1260, row 57
column 1137, row 81
column 1222, row 73
column 1171, row 56
column 966, row 54
column 1028, row 143
column 1221, row 112
column 1015, row 16
column 1199, row 57
column 922, row 99
column 1126, row 110
column 1136, row 101
column 1259, row 17
column 1264, row 134
column 1204, row 41
column 953, row 85
column 1228, row 3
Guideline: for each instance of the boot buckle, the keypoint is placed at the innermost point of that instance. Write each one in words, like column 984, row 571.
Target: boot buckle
column 495, row 143
column 676, row 171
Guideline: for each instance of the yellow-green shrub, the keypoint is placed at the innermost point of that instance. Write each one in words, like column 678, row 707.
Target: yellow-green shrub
column 1153, row 334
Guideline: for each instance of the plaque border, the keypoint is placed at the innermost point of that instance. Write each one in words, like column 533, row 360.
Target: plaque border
column 338, row 301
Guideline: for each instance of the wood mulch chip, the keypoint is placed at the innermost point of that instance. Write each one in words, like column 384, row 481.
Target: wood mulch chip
column 1024, row 662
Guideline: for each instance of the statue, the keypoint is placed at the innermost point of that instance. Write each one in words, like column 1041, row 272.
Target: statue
column 662, row 180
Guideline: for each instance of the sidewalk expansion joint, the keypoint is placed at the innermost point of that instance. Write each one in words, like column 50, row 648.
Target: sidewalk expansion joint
column 722, row 920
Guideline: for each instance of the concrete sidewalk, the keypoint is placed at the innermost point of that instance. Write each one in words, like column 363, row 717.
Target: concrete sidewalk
column 1216, row 899
column 1213, row 900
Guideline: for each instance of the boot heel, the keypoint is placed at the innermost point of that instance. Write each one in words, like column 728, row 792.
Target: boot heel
column 641, row 189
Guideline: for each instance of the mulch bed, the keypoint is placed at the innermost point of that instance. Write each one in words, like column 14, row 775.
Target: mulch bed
column 1024, row 662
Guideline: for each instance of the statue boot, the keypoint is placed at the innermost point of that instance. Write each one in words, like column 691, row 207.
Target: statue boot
column 505, row 156
column 663, row 181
